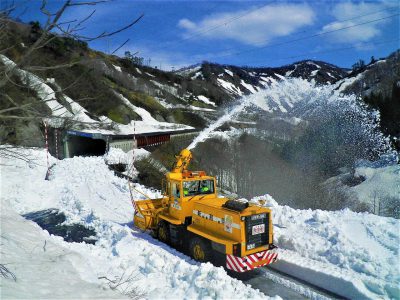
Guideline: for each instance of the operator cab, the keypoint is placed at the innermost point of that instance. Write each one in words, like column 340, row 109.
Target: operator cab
column 197, row 187
column 193, row 187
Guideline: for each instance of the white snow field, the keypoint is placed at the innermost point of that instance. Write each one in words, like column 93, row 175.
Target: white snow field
column 88, row 192
column 379, row 182
column 43, row 267
column 355, row 255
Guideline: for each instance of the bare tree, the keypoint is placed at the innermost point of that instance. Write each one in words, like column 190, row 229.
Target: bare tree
column 13, row 74
column 6, row 273
column 125, row 284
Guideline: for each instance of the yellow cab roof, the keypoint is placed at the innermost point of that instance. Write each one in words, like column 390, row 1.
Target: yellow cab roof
column 195, row 178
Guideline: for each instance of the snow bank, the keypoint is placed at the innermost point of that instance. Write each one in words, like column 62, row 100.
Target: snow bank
column 379, row 183
column 89, row 193
column 251, row 88
column 230, row 87
column 228, row 72
column 44, row 92
column 206, row 100
column 355, row 255
column 118, row 68
column 116, row 155
column 42, row 265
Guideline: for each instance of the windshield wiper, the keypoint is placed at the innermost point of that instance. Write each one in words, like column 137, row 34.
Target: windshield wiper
column 192, row 197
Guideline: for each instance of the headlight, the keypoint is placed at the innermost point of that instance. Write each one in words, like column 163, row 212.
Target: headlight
column 251, row 246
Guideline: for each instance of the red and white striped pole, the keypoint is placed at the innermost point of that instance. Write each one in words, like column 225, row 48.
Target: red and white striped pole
column 131, row 167
column 56, row 136
column 134, row 142
column 47, row 149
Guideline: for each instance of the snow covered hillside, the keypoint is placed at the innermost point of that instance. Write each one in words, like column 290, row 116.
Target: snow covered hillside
column 356, row 255
column 112, row 93
column 83, row 119
column 238, row 81
column 374, row 183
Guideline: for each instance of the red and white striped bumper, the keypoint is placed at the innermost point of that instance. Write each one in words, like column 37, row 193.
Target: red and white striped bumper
column 250, row 262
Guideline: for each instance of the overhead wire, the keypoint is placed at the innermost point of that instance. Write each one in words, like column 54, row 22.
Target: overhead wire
column 255, row 49
column 339, row 21
column 305, row 37
column 329, row 51
column 206, row 30
column 334, row 50
column 173, row 30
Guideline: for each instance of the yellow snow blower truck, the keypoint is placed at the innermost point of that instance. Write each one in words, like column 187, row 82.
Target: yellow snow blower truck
column 191, row 215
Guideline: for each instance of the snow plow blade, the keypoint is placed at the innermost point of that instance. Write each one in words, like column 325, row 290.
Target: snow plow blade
column 146, row 212
column 250, row 262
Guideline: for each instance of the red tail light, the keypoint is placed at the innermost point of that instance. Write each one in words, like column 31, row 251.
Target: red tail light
column 237, row 250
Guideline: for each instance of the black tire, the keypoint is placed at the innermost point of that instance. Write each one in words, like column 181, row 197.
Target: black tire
column 200, row 249
column 163, row 232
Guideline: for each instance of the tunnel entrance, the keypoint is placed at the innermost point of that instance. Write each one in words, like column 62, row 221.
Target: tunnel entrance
column 85, row 146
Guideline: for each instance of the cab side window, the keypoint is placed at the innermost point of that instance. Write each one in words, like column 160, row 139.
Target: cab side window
column 206, row 186
column 175, row 190
column 198, row 187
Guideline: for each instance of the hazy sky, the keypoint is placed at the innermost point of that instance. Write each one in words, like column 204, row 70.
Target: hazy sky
column 254, row 33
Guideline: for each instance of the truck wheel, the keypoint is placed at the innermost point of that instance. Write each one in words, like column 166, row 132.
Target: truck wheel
column 163, row 232
column 200, row 249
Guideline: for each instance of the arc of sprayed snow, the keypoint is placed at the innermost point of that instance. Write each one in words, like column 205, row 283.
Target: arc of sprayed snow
column 205, row 134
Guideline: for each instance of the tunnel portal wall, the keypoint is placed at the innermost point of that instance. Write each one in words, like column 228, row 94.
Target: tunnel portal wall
column 85, row 146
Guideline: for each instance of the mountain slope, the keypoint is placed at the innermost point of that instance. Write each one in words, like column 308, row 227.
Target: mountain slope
column 99, row 83
column 379, row 86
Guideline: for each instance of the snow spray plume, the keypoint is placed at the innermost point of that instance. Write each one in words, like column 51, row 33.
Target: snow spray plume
column 205, row 134
column 245, row 101
column 308, row 101
column 258, row 99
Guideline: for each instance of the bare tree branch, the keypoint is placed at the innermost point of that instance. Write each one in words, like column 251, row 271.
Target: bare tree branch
column 41, row 68
column 89, row 3
column 104, row 33
column 123, row 44
column 27, row 109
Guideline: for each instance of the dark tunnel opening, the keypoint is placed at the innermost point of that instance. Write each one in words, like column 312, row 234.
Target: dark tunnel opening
column 83, row 146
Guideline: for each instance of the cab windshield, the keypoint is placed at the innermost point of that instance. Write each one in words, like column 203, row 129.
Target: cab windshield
column 198, row 187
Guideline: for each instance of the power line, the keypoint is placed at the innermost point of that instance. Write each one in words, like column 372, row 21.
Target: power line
column 201, row 32
column 397, row 39
column 254, row 49
column 339, row 21
column 293, row 40
column 206, row 30
column 173, row 30
column 372, row 13
column 306, row 37
column 335, row 49
column 154, row 30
